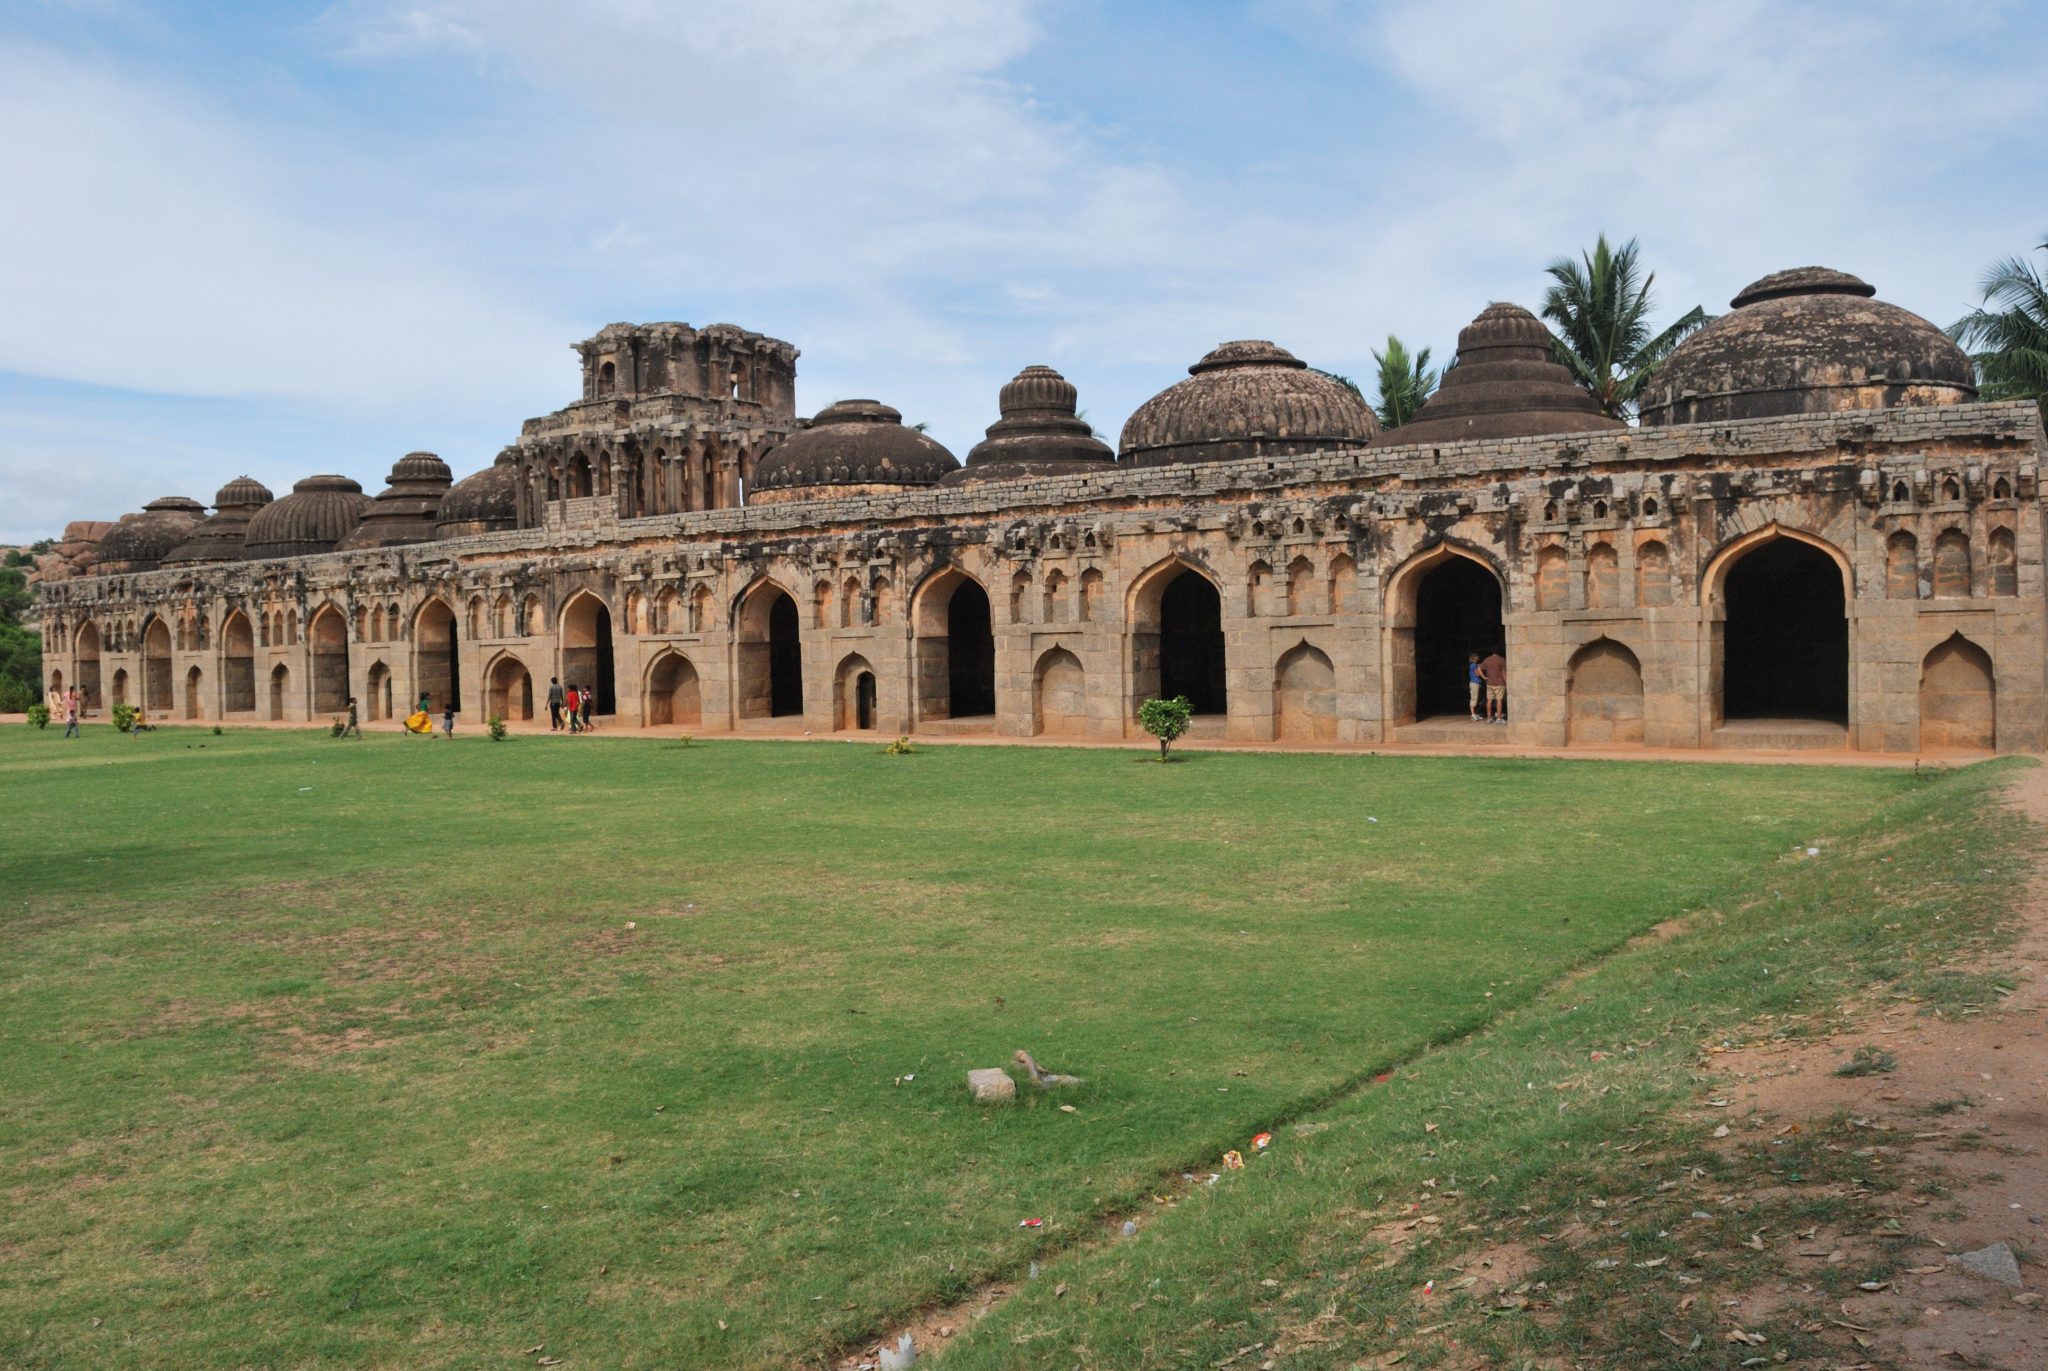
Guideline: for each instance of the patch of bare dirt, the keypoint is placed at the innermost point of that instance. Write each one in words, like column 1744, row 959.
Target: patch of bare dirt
column 931, row 1331
column 1961, row 1102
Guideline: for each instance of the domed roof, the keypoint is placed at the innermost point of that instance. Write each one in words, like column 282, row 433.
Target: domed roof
column 483, row 502
column 1039, row 433
column 1807, row 341
column 318, row 514
column 853, row 443
column 141, row 542
column 1506, row 384
column 1247, row 399
column 220, row 538
column 406, row 509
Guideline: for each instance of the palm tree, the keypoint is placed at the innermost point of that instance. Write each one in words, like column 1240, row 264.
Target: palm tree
column 1404, row 383
column 1601, row 305
column 2012, row 360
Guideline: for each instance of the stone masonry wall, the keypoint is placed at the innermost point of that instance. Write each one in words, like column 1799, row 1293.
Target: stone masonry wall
column 1611, row 552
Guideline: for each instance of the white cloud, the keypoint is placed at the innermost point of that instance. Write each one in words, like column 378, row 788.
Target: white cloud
column 154, row 244
column 881, row 182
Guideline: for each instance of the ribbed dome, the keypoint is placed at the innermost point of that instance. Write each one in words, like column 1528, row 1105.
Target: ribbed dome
column 1247, row 399
column 220, row 538
column 1506, row 384
column 142, row 541
column 484, row 502
column 1039, row 433
column 1807, row 341
column 851, row 446
column 405, row 511
column 317, row 515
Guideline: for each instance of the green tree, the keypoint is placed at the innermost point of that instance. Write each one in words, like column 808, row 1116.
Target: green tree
column 15, row 596
column 21, row 647
column 2009, row 343
column 1601, row 305
column 1404, row 382
column 1166, row 720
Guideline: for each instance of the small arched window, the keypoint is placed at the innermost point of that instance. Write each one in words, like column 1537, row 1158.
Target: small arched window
column 2001, row 489
column 607, row 378
column 1950, row 490
column 1900, row 493
column 1650, row 506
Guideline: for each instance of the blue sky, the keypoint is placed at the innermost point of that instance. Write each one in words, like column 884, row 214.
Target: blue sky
column 284, row 239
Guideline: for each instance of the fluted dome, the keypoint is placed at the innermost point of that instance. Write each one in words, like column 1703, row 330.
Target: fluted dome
column 405, row 511
column 1247, row 399
column 315, row 517
column 220, row 538
column 1039, row 433
column 1506, row 384
column 484, row 502
column 141, row 542
column 853, row 447
column 1807, row 341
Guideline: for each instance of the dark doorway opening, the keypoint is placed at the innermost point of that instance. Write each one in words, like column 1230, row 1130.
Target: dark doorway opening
column 1457, row 612
column 864, row 700
column 970, row 653
column 1191, row 644
column 785, row 660
column 439, row 673
column 1785, row 643
column 587, row 651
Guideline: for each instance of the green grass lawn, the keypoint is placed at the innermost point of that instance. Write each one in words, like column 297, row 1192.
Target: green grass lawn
column 323, row 1053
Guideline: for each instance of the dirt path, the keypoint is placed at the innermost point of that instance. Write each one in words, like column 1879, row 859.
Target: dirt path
column 469, row 727
column 1969, row 1098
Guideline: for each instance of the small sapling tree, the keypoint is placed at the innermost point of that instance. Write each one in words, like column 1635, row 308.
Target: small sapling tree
column 1166, row 720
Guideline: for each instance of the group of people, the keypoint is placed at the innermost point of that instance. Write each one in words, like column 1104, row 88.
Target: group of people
column 1487, row 678
column 570, row 706
column 419, row 721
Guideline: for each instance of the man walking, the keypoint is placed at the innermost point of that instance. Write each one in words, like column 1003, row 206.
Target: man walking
column 355, row 722
column 1494, row 671
column 555, row 698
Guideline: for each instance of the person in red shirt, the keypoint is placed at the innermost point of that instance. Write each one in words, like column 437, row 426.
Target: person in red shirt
column 575, row 703
column 1494, row 671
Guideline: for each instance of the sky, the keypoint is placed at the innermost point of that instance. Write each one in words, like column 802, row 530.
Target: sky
column 283, row 239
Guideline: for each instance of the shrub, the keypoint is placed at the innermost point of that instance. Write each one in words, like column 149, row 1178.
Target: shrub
column 123, row 717
column 495, row 725
column 15, row 696
column 38, row 714
column 1868, row 1061
column 900, row 748
column 687, row 740
column 218, row 730
column 337, row 727
column 1166, row 720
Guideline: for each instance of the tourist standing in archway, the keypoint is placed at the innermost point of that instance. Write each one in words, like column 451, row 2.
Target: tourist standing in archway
column 1494, row 672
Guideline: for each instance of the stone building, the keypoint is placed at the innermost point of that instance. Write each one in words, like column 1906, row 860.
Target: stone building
column 1817, row 537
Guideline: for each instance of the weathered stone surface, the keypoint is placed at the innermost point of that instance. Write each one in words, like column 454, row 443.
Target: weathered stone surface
column 1245, row 400
column 1995, row 1262
column 859, row 445
column 991, row 1085
column 1324, row 596
column 1807, row 341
